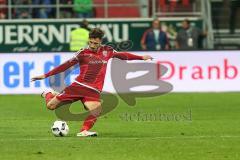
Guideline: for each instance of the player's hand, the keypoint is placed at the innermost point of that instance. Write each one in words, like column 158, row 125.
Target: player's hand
column 147, row 57
column 38, row 78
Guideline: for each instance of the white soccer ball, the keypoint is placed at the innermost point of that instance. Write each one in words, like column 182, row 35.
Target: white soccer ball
column 60, row 128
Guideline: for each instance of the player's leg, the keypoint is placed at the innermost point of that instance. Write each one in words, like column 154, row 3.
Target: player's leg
column 61, row 99
column 48, row 95
column 68, row 95
column 94, row 108
column 51, row 101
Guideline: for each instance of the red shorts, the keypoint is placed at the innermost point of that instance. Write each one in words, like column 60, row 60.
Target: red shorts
column 76, row 92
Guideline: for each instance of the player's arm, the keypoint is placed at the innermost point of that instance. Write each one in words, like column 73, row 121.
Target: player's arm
column 129, row 56
column 58, row 69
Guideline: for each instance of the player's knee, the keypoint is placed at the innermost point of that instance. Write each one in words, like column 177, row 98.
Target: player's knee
column 94, row 108
column 96, row 111
column 51, row 106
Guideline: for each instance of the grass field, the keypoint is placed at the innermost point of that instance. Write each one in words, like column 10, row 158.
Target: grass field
column 206, row 127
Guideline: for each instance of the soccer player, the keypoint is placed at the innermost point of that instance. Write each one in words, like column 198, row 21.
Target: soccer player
column 89, row 83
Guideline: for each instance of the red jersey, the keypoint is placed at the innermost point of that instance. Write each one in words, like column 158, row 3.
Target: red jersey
column 93, row 65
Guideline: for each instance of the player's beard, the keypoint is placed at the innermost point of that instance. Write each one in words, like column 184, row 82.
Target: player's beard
column 94, row 49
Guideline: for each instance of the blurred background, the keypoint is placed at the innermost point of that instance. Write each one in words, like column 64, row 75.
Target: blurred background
column 215, row 23
column 172, row 30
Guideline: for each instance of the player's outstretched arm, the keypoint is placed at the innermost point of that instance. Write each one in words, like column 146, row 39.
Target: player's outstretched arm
column 57, row 70
column 129, row 56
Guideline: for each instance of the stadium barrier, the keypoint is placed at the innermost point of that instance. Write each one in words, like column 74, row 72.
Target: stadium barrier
column 54, row 36
column 188, row 71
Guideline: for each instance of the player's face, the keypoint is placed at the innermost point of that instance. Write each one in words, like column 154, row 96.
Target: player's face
column 94, row 43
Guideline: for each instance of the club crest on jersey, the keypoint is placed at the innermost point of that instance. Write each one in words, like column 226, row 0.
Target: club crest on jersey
column 105, row 53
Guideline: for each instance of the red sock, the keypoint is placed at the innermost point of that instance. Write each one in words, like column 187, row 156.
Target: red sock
column 89, row 122
column 48, row 97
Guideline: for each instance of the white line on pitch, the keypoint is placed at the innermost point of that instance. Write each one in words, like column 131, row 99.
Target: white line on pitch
column 117, row 138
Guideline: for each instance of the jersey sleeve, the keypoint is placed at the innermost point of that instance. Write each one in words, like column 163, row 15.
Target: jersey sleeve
column 63, row 66
column 126, row 56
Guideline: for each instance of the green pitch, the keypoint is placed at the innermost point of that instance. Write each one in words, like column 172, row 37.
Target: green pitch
column 174, row 126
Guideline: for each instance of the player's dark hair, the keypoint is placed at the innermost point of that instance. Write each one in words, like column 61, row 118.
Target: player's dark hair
column 96, row 33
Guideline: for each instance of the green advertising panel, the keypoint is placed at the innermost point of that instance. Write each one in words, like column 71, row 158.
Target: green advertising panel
column 54, row 35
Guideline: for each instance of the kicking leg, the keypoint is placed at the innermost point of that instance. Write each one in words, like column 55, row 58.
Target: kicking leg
column 51, row 101
column 48, row 95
